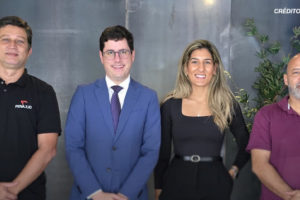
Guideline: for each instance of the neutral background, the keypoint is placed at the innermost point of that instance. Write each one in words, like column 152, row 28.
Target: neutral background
column 65, row 51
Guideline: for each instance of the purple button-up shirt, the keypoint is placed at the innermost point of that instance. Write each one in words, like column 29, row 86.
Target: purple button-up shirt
column 276, row 128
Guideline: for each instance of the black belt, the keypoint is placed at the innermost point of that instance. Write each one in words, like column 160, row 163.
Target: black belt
column 197, row 158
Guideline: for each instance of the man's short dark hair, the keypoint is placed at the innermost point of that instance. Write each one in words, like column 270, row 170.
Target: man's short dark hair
column 116, row 33
column 17, row 21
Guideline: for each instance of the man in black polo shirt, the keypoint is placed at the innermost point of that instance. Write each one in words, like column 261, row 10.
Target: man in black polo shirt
column 29, row 117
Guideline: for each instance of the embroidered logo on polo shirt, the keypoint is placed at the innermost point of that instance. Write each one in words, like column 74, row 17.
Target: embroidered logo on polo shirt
column 24, row 105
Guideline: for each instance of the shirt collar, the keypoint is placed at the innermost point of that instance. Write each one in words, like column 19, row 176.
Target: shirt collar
column 284, row 105
column 22, row 80
column 124, row 84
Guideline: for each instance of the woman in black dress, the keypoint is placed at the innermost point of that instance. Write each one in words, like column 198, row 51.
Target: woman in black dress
column 194, row 118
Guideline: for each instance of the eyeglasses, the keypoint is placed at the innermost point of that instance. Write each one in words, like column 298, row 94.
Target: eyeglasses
column 123, row 54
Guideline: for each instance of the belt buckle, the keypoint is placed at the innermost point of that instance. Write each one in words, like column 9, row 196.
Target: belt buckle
column 195, row 158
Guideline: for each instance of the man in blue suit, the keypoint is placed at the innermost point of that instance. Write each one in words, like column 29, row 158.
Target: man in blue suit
column 112, row 132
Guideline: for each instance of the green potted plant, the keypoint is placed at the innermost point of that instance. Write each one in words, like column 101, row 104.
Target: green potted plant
column 269, row 83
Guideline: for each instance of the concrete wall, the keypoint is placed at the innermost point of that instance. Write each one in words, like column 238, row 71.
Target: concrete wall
column 65, row 51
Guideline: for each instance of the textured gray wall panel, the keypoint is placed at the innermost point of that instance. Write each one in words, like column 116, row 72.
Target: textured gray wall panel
column 65, row 51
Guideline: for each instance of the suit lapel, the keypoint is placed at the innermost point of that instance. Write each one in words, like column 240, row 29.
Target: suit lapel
column 129, row 103
column 101, row 93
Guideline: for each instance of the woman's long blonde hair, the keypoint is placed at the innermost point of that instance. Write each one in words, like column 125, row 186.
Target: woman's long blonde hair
column 220, row 98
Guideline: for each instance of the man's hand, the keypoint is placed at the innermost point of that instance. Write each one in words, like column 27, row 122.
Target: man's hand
column 108, row 196
column 295, row 195
column 123, row 196
column 5, row 193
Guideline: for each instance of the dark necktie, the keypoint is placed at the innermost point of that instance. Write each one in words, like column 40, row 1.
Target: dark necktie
column 115, row 105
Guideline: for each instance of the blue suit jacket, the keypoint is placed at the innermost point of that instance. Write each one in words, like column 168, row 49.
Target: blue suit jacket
column 114, row 162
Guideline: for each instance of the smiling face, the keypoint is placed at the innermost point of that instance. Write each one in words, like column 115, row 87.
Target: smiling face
column 14, row 48
column 292, row 77
column 117, row 69
column 200, row 68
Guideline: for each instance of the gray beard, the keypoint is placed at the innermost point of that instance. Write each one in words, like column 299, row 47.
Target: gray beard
column 295, row 92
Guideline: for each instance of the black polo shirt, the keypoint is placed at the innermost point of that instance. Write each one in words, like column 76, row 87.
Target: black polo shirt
column 27, row 107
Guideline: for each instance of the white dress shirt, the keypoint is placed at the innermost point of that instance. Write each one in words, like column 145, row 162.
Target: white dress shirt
column 122, row 93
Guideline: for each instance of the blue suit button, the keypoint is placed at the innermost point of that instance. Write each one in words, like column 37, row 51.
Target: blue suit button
column 108, row 169
column 114, row 148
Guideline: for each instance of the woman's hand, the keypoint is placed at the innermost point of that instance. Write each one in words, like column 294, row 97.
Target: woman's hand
column 234, row 170
column 157, row 193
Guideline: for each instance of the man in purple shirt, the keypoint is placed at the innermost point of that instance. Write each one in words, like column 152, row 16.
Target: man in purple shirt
column 275, row 141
